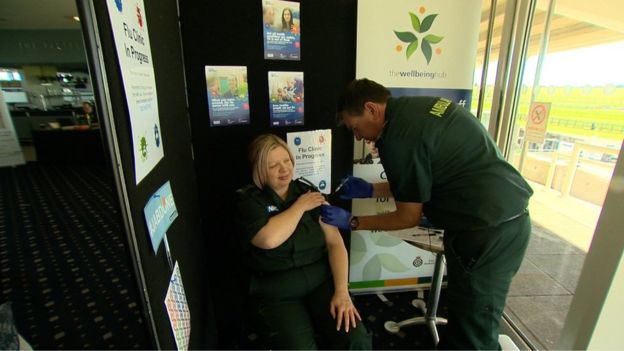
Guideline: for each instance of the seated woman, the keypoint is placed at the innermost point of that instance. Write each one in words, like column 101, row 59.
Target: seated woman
column 298, row 264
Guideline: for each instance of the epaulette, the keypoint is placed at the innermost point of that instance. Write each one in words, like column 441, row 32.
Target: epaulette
column 246, row 189
column 305, row 184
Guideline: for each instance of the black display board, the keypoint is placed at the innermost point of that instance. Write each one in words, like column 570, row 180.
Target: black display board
column 188, row 245
column 230, row 33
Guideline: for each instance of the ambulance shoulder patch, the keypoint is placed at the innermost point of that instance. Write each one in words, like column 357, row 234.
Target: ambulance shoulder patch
column 440, row 107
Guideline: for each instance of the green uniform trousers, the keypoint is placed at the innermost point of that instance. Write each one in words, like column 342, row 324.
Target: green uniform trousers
column 480, row 267
column 292, row 307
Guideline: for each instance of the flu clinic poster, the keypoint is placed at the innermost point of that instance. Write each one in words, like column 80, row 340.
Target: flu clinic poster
column 134, row 53
column 312, row 152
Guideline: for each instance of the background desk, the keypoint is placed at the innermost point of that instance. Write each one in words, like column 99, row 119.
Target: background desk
column 69, row 146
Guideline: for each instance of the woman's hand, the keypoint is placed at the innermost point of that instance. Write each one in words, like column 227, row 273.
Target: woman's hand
column 310, row 200
column 342, row 310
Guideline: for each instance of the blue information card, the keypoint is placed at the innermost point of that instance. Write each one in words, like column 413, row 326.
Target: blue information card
column 160, row 211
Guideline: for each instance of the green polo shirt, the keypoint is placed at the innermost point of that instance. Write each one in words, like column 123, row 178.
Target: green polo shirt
column 305, row 246
column 436, row 153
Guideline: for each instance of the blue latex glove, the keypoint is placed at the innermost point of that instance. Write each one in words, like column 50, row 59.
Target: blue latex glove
column 354, row 188
column 336, row 216
column 424, row 222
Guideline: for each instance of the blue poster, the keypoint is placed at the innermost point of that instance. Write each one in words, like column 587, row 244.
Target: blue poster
column 160, row 211
column 286, row 98
column 228, row 95
column 281, row 27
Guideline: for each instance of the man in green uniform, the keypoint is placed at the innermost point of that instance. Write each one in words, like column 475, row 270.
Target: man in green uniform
column 440, row 161
column 298, row 265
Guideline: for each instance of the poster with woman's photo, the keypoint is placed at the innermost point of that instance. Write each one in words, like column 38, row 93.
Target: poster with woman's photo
column 365, row 152
column 286, row 98
column 228, row 96
column 281, row 30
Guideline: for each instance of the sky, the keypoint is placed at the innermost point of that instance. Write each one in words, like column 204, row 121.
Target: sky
column 597, row 65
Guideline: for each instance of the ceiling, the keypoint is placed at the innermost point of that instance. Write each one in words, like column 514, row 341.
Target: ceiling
column 576, row 23
column 38, row 14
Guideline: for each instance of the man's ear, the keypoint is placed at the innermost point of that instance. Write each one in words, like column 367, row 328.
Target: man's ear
column 370, row 106
column 374, row 108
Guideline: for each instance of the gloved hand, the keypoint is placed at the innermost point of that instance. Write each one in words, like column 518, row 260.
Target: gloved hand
column 424, row 222
column 354, row 188
column 336, row 216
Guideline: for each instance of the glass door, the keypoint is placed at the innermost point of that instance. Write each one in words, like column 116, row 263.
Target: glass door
column 559, row 119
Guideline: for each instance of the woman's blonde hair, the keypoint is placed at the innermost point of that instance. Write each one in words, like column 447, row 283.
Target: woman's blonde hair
column 259, row 153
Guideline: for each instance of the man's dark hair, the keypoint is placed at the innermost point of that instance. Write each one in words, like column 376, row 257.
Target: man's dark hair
column 357, row 93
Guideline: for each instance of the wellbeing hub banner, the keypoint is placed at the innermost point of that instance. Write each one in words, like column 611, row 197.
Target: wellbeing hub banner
column 423, row 47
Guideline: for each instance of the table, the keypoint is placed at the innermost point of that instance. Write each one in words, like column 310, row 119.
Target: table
column 429, row 239
column 72, row 146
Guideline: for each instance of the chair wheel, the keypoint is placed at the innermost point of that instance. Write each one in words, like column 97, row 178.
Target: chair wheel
column 420, row 304
column 392, row 327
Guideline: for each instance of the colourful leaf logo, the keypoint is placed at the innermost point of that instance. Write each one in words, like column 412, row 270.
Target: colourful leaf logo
column 412, row 41
column 358, row 249
column 143, row 148
column 385, row 240
column 373, row 268
column 139, row 16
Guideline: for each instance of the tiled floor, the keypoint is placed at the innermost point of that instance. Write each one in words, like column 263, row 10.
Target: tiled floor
column 543, row 289
column 65, row 263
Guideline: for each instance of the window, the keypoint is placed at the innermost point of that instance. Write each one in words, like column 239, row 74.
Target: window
column 571, row 62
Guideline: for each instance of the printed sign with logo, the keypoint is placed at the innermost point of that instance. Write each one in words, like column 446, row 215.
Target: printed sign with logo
column 160, row 212
column 134, row 53
column 312, row 152
column 418, row 41
column 412, row 48
column 381, row 260
column 537, row 122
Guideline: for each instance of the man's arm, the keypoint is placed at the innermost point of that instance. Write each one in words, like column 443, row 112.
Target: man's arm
column 407, row 215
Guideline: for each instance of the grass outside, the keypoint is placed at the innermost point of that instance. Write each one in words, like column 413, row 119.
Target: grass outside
column 577, row 112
